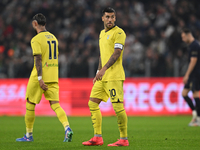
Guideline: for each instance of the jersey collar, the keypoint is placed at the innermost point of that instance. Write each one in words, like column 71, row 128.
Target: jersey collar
column 43, row 31
column 110, row 28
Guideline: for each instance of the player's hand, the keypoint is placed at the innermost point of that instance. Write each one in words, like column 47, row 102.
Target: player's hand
column 43, row 85
column 100, row 74
column 94, row 80
column 185, row 79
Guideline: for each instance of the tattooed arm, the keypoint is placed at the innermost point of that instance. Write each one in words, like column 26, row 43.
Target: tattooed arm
column 113, row 58
column 110, row 62
column 38, row 64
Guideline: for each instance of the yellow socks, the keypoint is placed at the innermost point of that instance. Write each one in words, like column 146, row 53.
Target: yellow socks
column 96, row 117
column 60, row 114
column 29, row 118
column 121, row 119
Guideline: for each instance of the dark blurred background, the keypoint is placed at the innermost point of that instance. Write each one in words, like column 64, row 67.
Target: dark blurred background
column 153, row 45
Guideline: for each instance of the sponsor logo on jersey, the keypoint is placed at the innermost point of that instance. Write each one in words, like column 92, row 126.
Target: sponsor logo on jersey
column 50, row 65
column 46, row 64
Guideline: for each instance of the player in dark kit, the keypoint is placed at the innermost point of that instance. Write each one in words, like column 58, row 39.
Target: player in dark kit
column 192, row 76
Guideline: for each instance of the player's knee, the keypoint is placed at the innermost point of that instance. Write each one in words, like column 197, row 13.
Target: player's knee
column 53, row 102
column 55, row 106
column 196, row 94
column 92, row 104
column 30, row 106
column 118, row 107
column 184, row 93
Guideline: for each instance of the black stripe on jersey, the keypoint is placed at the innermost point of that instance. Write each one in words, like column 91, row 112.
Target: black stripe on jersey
column 29, row 109
column 94, row 109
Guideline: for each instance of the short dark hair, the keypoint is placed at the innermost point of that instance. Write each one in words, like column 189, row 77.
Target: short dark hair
column 186, row 30
column 40, row 18
column 108, row 10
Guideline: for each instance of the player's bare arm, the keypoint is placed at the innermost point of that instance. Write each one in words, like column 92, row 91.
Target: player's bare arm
column 110, row 62
column 193, row 62
column 38, row 64
column 113, row 58
column 99, row 68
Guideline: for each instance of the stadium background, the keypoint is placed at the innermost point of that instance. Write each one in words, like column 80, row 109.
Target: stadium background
column 155, row 58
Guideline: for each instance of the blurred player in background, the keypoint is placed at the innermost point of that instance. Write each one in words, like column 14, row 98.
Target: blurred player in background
column 108, row 81
column 44, row 78
column 192, row 76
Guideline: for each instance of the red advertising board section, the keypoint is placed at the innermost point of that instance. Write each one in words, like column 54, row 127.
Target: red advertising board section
column 142, row 96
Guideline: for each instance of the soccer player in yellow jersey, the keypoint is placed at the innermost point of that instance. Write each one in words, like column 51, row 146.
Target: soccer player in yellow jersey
column 44, row 78
column 108, row 81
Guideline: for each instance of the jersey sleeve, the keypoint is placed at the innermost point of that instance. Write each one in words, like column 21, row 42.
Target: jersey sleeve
column 120, row 39
column 194, row 52
column 36, row 48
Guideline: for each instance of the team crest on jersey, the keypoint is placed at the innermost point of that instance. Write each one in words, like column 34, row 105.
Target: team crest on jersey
column 108, row 37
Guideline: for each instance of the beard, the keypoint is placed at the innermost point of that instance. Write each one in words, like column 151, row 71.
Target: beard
column 109, row 26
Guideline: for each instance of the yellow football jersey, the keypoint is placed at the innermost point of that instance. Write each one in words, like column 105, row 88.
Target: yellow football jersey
column 108, row 41
column 46, row 44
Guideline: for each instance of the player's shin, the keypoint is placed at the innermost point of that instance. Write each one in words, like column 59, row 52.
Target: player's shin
column 189, row 102
column 121, row 119
column 60, row 114
column 96, row 117
column 29, row 118
column 197, row 106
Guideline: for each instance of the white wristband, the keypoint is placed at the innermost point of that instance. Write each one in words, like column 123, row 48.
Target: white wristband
column 97, row 71
column 39, row 78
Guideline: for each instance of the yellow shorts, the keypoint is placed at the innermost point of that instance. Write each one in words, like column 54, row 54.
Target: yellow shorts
column 34, row 92
column 105, row 89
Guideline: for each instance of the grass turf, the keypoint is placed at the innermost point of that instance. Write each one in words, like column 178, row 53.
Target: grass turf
column 145, row 133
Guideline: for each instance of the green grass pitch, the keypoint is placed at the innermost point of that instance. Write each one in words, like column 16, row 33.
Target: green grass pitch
column 145, row 133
